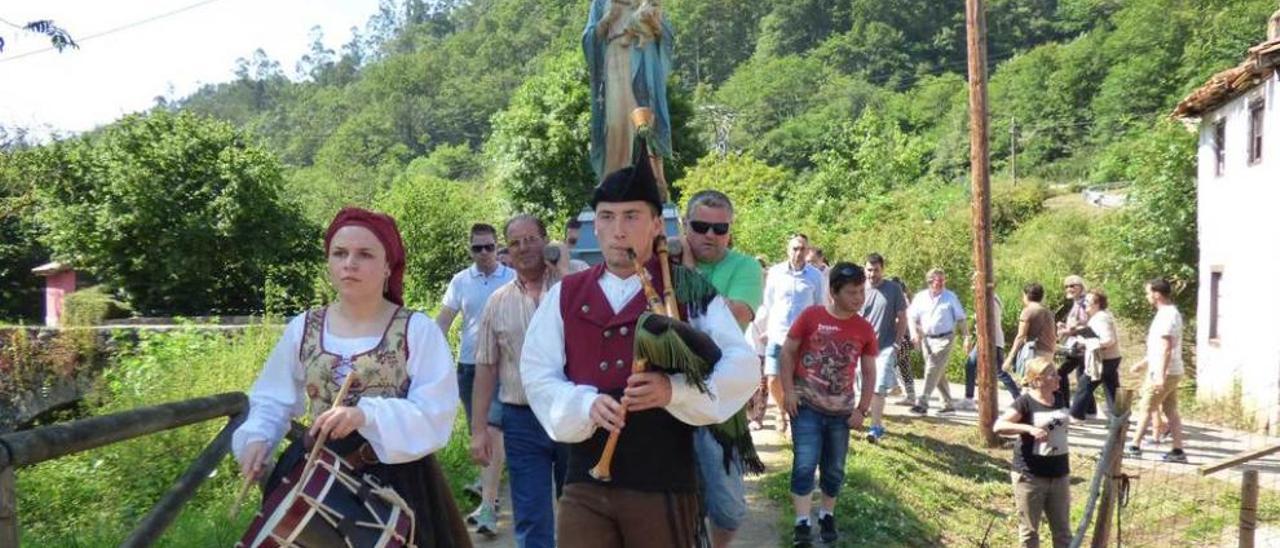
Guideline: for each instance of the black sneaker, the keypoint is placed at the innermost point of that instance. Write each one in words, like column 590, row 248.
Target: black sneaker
column 1133, row 451
column 827, row 528
column 919, row 409
column 803, row 535
column 1177, row 455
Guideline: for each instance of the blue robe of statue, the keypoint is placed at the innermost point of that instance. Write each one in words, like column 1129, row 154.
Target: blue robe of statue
column 629, row 51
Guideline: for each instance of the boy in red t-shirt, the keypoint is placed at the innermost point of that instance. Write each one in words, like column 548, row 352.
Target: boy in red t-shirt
column 826, row 348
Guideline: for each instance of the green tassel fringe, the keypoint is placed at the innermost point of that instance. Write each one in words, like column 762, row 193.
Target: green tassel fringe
column 734, row 434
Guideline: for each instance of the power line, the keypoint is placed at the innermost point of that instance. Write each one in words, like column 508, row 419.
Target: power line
column 107, row 32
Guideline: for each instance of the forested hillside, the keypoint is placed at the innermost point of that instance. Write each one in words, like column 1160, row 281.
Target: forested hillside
column 842, row 118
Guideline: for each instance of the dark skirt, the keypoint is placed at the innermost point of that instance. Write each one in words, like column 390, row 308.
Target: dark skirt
column 420, row 483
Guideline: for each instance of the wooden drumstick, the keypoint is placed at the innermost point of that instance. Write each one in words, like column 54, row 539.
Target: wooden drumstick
column 324, row 436
column 244, row 490
column 248, row 480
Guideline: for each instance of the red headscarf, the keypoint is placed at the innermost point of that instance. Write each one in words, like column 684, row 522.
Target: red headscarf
column 384, row 227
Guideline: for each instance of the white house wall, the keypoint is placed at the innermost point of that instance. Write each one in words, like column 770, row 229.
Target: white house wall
column 1239, row 225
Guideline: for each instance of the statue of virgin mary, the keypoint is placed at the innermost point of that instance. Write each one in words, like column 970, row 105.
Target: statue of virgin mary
column 628, row 46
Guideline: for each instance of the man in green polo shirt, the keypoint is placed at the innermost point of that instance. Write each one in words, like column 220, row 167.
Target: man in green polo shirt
column 736, row 275
column 740, row 281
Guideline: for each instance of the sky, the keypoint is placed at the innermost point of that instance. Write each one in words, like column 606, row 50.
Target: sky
column 122, row 72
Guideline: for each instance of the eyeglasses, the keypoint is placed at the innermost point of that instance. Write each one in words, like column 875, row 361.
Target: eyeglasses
column 524, row 242
column 1069, row 286
column 701, row 228
column 481, row 248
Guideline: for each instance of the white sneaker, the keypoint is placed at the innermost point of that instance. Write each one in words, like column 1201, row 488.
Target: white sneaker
column 966, row 405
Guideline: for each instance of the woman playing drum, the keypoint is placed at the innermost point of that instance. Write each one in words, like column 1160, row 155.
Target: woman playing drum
column 399, row 408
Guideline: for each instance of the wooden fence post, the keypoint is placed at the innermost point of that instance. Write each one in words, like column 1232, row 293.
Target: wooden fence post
column 1248, row 507
column 8, row 508
column 1107, row 506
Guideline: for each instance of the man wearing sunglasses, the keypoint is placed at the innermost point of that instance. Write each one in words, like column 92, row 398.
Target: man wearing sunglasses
column 739, row 280
column 467, row 293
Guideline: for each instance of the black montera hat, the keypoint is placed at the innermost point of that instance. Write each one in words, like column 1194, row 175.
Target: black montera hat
column 632, row 183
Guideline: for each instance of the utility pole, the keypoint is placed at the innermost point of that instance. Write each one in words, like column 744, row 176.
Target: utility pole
column 979, row 164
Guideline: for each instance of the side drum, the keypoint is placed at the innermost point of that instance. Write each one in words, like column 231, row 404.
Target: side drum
column 330, row 507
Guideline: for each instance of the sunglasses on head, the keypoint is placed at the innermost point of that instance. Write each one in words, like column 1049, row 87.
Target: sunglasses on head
column 481, row 248
column 701, row 228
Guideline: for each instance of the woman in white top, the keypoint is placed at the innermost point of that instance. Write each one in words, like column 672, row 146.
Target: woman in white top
column 400, row 407
column 1103, row 326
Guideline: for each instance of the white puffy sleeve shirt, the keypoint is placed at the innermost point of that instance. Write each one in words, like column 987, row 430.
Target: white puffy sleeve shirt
column 564, row 408
column 398, row 429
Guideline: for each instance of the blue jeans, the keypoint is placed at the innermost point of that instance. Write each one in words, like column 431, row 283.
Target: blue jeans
column 723, row 493
column 971, row 374
column 1084, row 393
column 536, row 466
column 466, row 381
column 818, row 440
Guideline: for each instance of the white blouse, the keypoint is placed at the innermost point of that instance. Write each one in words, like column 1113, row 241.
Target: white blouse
column 398, row 429
column 564, row 408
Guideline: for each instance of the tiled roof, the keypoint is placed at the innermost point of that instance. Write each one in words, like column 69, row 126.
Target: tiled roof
column 1260, row 63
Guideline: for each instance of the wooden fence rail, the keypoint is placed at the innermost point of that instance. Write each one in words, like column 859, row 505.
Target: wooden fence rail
column 50, row 442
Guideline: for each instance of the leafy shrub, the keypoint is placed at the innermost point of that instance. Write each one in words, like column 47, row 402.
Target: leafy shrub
column 90, row 306
column 176, row 211
column 435, row 216
column 1155, row 235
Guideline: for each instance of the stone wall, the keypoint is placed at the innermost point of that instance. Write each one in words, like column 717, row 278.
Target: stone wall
column 44, row 369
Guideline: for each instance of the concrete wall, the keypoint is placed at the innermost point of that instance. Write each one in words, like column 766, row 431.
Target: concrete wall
column 1239, row 227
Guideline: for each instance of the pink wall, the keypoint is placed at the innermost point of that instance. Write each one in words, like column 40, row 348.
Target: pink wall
column 57, row 287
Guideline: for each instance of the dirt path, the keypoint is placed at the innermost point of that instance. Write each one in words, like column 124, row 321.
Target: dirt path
column 1203, row 444
column 761, row 526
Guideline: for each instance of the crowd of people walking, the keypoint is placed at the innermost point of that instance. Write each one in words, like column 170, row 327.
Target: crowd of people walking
column 544, row 374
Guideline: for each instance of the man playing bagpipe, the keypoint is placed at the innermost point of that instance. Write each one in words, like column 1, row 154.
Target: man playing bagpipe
column 606, row 356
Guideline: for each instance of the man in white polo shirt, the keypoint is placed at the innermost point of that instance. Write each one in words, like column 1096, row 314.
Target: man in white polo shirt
column 789, row 288
column 467, row 293
column 935, row 315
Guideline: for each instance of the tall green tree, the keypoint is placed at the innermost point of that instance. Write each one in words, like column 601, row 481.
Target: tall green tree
column 539, row 147
column 713, row 36
column 175, row 211
column 20, row 249
column 434, row 216
column 1155, row 235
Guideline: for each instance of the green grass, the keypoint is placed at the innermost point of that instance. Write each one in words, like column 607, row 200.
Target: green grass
column 95, row 498
column 932, row 484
